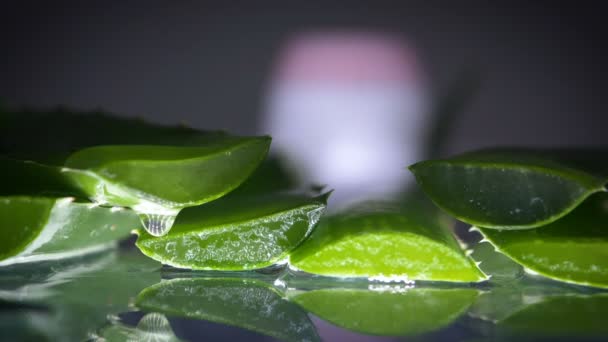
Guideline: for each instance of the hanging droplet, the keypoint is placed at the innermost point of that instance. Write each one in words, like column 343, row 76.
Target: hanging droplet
column 157, row 224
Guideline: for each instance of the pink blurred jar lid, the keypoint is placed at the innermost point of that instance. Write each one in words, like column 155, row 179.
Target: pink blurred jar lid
column 348, row 57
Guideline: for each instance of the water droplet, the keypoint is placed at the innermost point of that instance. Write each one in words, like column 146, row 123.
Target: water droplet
column 157, row 224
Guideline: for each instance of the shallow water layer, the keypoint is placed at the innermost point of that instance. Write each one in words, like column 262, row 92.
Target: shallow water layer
column 120, row 295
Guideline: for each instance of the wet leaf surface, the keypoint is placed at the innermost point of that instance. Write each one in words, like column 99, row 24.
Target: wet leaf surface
column 387, row 241
column 236, row 233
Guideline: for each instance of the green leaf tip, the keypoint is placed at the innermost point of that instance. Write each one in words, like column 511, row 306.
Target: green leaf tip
column 512, row 188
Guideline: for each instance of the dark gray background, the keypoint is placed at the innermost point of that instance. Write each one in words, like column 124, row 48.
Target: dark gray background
column 207, row 63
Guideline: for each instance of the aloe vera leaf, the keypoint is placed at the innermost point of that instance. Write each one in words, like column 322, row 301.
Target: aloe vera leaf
column 153, row 169
column 386, row 241
column 401, row 313
column 246, row 303
column 151, row 327
column 236, row 233
column 38, row 228
column 573, row 249
column 158, row 181
column 512, row 189
column 51, row 136
column 29, row 178
column 498, row 266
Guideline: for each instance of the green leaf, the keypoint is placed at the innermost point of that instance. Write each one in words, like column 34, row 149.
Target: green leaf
column 236, row 233
column 155, row 170
column 499, row 267
column 33, row 179
column 51, row 136
column 151, row 327
column 408, row 312
column 158, row 181
column 573, row 249
column 241, row 302
column 512, row 189
column 36, row 228
column 388, row 241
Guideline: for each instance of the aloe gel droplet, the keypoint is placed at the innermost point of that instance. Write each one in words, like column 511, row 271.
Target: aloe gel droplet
column 158, row 224
column 155, row 327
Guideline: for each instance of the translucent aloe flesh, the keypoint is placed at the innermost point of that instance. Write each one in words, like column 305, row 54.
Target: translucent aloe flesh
column 247, row 303
column 381, row 241
column 236, row 233
column 407, row 312
column 573, row 249
column 512, row 189
column 34, row 228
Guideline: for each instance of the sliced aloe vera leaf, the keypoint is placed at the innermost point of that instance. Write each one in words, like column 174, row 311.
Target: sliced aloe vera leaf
column 158, row 181
column 247, row 303
column 156, row 170
column 386, row 241
column 573, row 249
column 151, row 327
column 512, row 189
column 38, row 228
column 400, row 313
column 236, row 233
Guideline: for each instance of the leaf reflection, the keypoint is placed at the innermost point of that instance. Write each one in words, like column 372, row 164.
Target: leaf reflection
column 243, row 302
